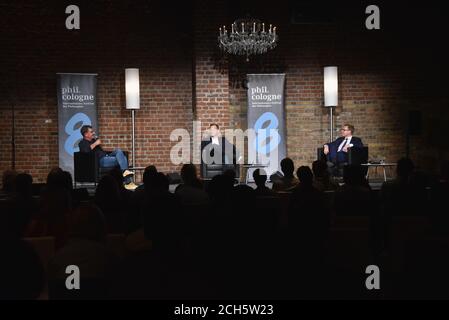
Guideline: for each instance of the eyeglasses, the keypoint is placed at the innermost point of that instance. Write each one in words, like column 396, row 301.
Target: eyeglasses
column 344, row 129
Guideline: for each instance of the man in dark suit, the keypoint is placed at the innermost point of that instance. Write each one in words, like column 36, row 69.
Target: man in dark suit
column 337, row 151
column 218, row 150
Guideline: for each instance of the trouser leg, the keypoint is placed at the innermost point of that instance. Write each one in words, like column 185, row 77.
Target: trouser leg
column 121, row 159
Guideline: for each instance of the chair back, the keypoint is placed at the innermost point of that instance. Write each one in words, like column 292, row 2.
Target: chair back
column 85, row 167
column 358, row 156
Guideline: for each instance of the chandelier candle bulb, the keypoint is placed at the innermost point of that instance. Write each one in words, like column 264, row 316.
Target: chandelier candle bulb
column 254, row 27
column 263, row 27
column 243, row 27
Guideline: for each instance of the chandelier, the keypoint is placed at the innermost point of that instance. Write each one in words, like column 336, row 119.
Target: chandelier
column 247, row 37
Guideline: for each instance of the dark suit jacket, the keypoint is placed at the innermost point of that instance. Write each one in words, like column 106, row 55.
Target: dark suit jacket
column 341, row 157
column 224, row 146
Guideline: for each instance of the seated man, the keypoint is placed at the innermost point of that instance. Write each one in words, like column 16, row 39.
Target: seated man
column 216, row 149
column 337, row 151
column 226, row 151
column 107, row 160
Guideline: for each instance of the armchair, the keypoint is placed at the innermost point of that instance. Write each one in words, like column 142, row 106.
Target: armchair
column 87, row 167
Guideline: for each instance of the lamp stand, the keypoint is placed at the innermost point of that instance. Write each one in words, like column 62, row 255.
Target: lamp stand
column 331, row 120
column 13, row 135
column 133, row 116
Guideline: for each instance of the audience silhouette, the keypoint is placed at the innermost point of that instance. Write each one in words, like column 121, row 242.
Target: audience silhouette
column 306, row 237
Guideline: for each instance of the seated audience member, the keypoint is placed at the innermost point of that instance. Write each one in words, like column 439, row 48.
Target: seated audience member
column 162, row 219
column 129, row 207
column 354, row 197
column 309, row 219
column 149, row 172
column 305, row 184
column 67, row 180
column 220, row 188
column 134, row 219
column 337, row 151
column 110, row 201
column 190, row 191
column 86, row 248
column 405, row 195
column 22, row 275
column 125, row 193
column 288, row 181
column 8, row 182
column 24, row 206
column 54, row 207
column 260, row 179
column 243, row 217
column 77, row 195
column 230, row 174
column 322, row 180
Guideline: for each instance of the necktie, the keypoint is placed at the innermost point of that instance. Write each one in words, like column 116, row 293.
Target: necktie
column 342, row 145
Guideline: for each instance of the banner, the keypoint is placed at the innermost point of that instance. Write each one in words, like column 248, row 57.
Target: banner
column 267, row 146
column 77, row 106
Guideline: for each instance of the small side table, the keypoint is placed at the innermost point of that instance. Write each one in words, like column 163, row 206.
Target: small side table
column 378, row 165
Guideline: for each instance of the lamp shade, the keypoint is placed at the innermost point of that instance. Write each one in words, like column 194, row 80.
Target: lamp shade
column 132, row 88
column 330, row 86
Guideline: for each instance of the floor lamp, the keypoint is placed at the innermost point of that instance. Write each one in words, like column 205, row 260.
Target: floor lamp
column 132, row 89
column 331, row 94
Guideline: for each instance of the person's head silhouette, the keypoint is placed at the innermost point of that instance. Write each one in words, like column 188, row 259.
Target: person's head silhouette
column 305, row 176
column 188, row 173
column 287, row 167
column 260, row 177
column 319, row 169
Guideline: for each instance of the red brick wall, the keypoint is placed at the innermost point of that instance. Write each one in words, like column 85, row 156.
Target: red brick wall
column 111, row 38
column 379, row 82
column 211, row 80
column 184, row 77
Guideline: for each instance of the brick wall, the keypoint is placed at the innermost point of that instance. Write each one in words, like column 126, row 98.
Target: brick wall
column 112, row 37
column 382, row 76
column 211, row 80
column 184, row 77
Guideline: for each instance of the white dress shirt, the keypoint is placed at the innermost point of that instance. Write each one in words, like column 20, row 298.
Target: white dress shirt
column 215, row 141
column 345, row 142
